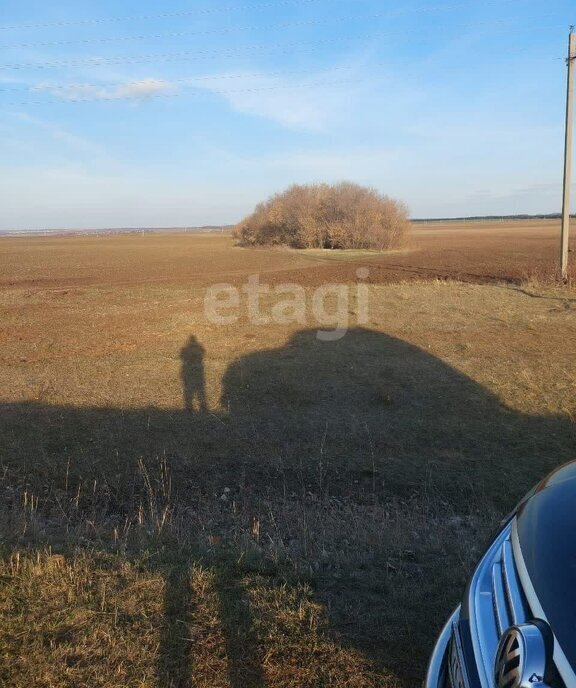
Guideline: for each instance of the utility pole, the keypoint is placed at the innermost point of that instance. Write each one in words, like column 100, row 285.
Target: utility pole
column 568, row 154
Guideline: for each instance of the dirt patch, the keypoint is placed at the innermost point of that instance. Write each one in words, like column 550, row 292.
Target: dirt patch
column 474, row 252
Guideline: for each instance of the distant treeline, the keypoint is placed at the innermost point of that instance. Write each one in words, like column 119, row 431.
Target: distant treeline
column 471, row 218
column 54, row 231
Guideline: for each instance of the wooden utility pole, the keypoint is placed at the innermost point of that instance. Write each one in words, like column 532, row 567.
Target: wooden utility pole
column 568, row 153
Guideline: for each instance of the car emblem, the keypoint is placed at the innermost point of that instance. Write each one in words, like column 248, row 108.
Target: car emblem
column 522, row 657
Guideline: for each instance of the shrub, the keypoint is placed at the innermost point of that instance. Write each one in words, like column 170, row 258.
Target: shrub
column 341, row 215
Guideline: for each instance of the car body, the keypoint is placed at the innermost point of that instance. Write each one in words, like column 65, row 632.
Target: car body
column 516, row 624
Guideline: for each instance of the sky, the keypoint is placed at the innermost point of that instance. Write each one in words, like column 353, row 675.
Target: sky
column 149, row 114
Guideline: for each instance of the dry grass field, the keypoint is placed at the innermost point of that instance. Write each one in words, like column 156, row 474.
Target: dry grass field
column 188, row 504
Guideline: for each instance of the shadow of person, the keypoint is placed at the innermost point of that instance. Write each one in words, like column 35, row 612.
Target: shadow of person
column 364, row 418
column 174, row 668
column 374, row 402
column 192, row 375
column 175, row 665
column 242, row 645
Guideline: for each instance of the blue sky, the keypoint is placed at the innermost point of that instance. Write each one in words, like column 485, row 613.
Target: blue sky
column 112, row 115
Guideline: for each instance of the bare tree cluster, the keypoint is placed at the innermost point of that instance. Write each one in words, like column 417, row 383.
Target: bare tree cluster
column 343, row 215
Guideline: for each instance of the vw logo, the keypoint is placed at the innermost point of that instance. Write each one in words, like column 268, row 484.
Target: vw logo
column 510, row 660
column 521, row 658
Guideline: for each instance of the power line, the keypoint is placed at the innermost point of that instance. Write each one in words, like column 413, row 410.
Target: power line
column 178, row 34
column 186, row 80
column 199, row 91
column 151, row 57
column 219, row 10
column 183, row 80
column 161, row 15
column 252, row 27
column 194, row 54
column 232, row 29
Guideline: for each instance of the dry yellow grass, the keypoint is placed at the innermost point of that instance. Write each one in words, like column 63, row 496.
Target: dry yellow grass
column 98, row 620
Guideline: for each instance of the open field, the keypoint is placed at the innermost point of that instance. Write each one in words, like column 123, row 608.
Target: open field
column 479, row 252
column 246, row 506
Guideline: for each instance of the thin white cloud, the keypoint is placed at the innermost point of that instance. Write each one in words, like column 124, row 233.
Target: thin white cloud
column 137, row 90
column 311, row 103
column 57, row 133
column 144, row 88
